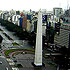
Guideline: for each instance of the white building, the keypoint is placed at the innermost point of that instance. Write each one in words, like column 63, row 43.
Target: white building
column 57, row 12
column 12, row 12
column 44, row 11
column 15, row 19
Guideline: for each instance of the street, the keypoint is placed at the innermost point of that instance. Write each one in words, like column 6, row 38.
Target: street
column 4, row 64
column 25, row 60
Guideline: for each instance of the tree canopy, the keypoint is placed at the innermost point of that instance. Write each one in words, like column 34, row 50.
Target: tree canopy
column 18, row 31
column 1, row 39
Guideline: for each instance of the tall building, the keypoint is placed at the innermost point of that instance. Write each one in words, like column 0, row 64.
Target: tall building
column 57, row 12
column 12, row 12
column 44, row 11
column 28, row 26
column 24, row 25
column 35, row 26
column 49, row 14
column 15, row 19
column 63, row 38
column 23, row 21
column 20, row 21
column 29, row 17
column 17, row 12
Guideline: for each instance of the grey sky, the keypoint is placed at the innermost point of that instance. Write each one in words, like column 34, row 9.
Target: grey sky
column 32, row 4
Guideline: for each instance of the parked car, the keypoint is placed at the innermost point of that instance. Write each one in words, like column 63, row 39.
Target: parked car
column 0, row 62
column 6, row 68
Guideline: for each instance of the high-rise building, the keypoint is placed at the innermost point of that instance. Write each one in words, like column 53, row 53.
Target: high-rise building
column 28, row 26
column 63, row 38
column 29, row 17
column 23, row 22
column 57, row 12
column 24, row 25
column 35, row 26
column 20, row 21
column 17, row 12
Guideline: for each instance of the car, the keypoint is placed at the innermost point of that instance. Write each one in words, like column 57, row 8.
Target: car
column 6, row 68
column 0, row 62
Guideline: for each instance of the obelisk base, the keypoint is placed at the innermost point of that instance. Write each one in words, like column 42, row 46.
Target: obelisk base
column 35, row 65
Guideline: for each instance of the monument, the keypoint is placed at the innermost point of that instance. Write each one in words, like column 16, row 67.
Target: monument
column 38, row 48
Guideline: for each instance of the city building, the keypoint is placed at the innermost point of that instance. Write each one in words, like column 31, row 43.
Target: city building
column 24, row 25
column 67, row 13
column 28, row 26
column 12, row 12
column 35, row 26
column 44, row 29
column 17, row 12
column 44, row 11
column 23, row 21
column 15, row 19
column 57, row 12
column 29, row 17
column 63, row 38
column 49, row 14
column 20, row 21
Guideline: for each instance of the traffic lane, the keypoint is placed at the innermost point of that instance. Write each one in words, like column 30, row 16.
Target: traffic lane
column 4, row 64
column 23, row 44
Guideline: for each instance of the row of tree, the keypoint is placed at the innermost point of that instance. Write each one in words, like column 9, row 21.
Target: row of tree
column 24, row 35
column 18, row 31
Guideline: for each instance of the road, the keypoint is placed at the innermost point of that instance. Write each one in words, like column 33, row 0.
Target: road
column 4, row 64
column 7, row 44
column 23, row 44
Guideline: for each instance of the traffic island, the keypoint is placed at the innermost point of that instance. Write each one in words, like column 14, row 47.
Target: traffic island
column 13, row 51
column 15, row 44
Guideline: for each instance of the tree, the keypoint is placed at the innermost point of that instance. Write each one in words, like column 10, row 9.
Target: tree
column 1, row 39
column 32, row 38
column 64, row 59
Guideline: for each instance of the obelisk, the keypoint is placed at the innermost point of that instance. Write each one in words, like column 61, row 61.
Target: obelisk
column 38, row 48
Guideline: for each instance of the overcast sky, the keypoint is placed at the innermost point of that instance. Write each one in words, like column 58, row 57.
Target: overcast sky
column 32, row 4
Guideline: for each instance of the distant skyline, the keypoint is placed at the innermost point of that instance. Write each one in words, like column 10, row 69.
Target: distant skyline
column 33, row 4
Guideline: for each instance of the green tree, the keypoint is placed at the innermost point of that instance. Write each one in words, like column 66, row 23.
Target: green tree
column 64, row 59
column 1, row 39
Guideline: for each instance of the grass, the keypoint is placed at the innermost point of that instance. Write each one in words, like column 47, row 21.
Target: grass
column 15, row 44
column 13, row 50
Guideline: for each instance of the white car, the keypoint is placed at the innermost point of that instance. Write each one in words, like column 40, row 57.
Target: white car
column 6, row 68
column 0, row 62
